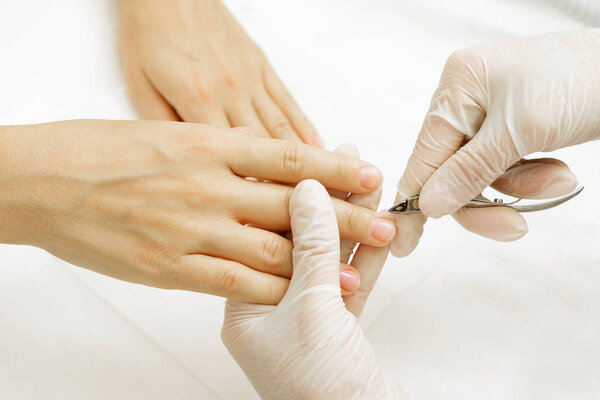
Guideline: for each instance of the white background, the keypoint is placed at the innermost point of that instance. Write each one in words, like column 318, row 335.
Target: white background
column 461, row 318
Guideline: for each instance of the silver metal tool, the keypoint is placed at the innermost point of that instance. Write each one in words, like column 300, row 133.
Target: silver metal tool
column 411, row 205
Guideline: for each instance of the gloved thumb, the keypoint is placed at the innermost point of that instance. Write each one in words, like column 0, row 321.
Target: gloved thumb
column 470, row 170
column 316, row 252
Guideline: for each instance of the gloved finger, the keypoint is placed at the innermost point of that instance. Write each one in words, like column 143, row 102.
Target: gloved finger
column 315, row 236
column 369, row 262
column 453, row 116
column 285, row 100
column 471, row 169
column 148, row 100
column 497, row 223
column 541, row 178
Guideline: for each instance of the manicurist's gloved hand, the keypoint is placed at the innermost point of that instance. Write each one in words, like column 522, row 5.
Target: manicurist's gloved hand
column 495, row 104
column 310, row 346
column 167, row 204
column 191, row 60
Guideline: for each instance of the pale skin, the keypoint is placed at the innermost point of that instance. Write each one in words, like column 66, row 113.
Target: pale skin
column 167, row 204
column 190, row 60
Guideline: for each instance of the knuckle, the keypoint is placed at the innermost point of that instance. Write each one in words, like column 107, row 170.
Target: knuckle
column 152, row 261
column 346, row 170
column 463, row 66
column 353, row 219
column 280, row 126
column 294, row 161
column 273, row 250
column 228, row 281
column 275, row 254
column 231, row 79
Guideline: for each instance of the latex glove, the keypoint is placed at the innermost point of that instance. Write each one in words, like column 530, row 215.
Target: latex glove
column 495, row 104
column 191, row 60
column 309, row 346
column 166, row 204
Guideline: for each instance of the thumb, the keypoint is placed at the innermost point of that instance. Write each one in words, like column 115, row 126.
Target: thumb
column 471, row 169
column 316, row 253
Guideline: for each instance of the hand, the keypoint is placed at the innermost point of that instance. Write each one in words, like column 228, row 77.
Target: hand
column 167, row 204
column 191, row 60
column 496, row 104
column 310, row 346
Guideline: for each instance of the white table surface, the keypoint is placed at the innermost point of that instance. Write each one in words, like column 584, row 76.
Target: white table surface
column 461, row 318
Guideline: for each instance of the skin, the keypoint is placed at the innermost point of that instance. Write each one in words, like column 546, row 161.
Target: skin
column 190, row 60
column 168, row 204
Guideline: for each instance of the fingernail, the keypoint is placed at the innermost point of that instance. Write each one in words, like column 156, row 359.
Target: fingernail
column 316, row 140
column 562, row 184
column 383, row 229
column 501, row 223
column 509, row 232
column 349, row 280
column 370, row 177
column 540, row 180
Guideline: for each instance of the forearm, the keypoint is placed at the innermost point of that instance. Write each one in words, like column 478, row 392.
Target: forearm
column 13, row 169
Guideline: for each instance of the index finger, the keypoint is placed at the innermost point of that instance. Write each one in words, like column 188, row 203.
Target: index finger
column 289, row 162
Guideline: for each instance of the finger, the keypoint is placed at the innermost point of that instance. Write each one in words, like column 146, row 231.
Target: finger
column 503, row 224
column 256, row 248
column 148, row 100
column 369, row 201
column 287, row 162
column 541, row 178
column 369, row 262
column 347, row 246
column 348, row 150
column 265, row 206
column 452, row 117
column 316, row 241
column 204, row 115
column 276, row 122
column 471, row 169
column 282, row 97
column 265, row 251
column 349, row 279
column 244, row 115
column 205, row 274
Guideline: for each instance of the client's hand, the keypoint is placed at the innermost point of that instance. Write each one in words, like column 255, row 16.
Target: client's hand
column 310, row 346
column 190, row 59
column 167, row 204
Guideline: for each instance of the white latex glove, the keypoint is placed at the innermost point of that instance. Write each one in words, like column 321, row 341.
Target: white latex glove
column 494, row 105
column 310, row 346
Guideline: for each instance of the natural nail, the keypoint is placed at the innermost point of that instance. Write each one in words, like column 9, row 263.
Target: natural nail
column 383, row 229
column 316, row 140
column 370, row 177
column 349, row 280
